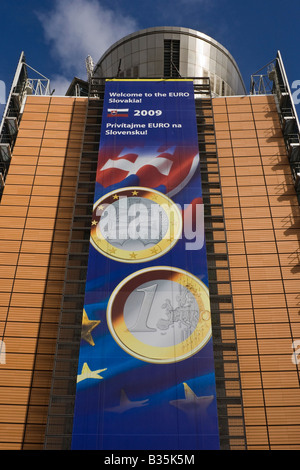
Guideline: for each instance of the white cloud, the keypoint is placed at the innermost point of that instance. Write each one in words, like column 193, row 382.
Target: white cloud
column 75, row 29
column 60, row 84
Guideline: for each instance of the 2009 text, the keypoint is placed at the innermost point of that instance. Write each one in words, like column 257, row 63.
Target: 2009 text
column 147, row 112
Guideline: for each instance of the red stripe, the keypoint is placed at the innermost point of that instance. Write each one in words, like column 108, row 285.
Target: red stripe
column 117, row 115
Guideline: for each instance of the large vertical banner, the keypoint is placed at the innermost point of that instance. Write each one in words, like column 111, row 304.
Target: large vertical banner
column 146, row 371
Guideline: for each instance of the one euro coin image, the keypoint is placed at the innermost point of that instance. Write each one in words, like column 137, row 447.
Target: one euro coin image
column 160, row 315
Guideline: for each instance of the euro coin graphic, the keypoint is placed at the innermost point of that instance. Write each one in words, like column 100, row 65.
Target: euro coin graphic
column 160, row 315
column 135, row 224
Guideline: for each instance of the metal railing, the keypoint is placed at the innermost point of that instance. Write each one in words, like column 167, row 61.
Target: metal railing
column 272, row 79
column 22, row 86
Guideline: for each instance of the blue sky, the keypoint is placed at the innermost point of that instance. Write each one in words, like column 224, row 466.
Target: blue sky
column 57, row 35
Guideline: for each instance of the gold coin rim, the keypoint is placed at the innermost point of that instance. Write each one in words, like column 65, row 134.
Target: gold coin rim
column 155, row 354
column 164, row 245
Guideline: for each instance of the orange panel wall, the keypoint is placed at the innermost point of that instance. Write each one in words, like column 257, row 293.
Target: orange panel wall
column 262, row 219
column 35, row 218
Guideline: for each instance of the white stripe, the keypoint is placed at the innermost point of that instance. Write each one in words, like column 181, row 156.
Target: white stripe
column 109, row 110
column 163, row 165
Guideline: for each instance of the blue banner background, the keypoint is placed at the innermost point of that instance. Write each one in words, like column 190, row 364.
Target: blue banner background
column 157, row 425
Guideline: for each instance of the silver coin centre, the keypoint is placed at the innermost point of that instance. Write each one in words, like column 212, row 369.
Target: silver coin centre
column 133, row 223
column 161, row 313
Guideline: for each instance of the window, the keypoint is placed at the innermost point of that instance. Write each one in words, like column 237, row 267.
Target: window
column 171, row 58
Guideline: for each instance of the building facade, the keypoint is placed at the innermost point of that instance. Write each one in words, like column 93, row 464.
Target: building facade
column 172, row 52
column 249, row 165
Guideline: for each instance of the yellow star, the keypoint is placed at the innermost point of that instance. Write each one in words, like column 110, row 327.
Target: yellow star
column 87, row 373
column 154, row 250
column 115, row 196
column 133, row 255
column 101, row 207
column 191, row 403
column 134, row 193
column 112, row 250
column 87, row 327
column 94, row 222
column 126, row 404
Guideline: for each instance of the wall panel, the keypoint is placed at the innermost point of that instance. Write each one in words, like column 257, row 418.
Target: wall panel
column 35, row 216
column 262, row 219
column 262, row 222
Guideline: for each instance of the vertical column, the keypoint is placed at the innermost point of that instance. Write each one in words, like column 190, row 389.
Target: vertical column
column 35, row 214
column 260, row 214
column 20, row 310
column 278, row 325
